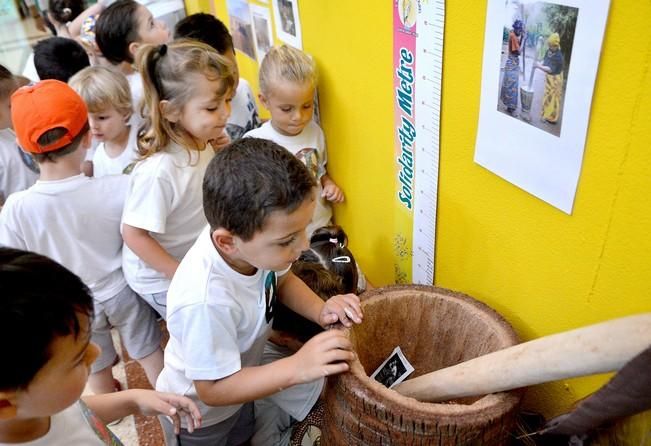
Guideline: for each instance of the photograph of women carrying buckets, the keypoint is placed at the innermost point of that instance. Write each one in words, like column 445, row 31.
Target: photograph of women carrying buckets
column 536, row 52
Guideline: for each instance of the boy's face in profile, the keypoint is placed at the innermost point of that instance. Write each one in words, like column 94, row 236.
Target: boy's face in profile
column 278, row 244
column 61, row 381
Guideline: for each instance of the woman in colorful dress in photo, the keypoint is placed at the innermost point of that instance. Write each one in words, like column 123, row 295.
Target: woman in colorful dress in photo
column 510, row 81
column 553, row 65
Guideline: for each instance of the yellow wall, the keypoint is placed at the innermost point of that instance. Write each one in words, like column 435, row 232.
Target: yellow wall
column 543, row 270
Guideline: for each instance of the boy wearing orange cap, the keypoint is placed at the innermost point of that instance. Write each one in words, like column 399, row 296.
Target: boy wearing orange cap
column 75, row 220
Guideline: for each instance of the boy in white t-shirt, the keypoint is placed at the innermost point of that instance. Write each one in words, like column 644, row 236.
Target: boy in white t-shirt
column 258, row 200
column 75, row 220
column 287, row 83
column 108, row 98
column 18, row 170
column 208, row 29
column 45, row 318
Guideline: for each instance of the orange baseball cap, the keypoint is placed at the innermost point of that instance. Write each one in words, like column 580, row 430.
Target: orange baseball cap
column 44, row 106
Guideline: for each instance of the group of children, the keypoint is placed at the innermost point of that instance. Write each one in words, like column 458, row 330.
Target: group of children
column 187, row 210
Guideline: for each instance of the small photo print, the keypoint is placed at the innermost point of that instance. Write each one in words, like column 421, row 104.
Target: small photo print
column 394, row 370
column 288, row 25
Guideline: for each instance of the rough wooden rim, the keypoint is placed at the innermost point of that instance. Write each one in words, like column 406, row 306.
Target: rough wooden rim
column 481, row 411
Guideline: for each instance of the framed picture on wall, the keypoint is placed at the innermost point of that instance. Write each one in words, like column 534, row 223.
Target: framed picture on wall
column 538, row 75
column 239, row 15
column 288, row 24
column 261, row 19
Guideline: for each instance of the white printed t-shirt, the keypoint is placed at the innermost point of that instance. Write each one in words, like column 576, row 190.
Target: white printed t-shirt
column 75, row 221
column 104, row 165
column 165, row 198
column 244, row 112
column 71, row 428
column 218, row 320
column 18, row 170
column 309, row 147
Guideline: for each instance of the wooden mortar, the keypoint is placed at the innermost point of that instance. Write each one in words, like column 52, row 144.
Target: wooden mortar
column 435, row 328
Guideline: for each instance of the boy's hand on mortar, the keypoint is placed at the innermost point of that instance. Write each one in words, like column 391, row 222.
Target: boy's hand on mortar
column 325, row 354
column 344, row 308
column 150, row 402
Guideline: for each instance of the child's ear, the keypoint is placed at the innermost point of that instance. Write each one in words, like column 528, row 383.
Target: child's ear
column 172, row 114
column 87, row 141
column 224, row 241
column 133, row 49
column 8, row 406
column 263, row 100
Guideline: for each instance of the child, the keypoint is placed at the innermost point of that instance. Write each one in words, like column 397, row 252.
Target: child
column 106, row 94
column 287, row 83
column 59, row 58
column 18, row 171
column 120, row 31
column 46, row 313
column 328, row 268
column 187, row 91
column 210, row 30
column 75, row 220
column 329, row 242
column 258, row 200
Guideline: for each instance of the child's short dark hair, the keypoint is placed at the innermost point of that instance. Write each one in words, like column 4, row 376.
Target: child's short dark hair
column 115, row 29
column 53, row 135
column 41, row 300
column 8, row 82
column 205, row 28
column 248, row 180
column 59, row 58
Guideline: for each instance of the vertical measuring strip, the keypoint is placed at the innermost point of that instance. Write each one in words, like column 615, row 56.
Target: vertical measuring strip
column 418, row 61
column 429, row 47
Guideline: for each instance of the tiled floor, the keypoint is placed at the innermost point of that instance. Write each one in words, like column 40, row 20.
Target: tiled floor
column 16, row 38
column 133, row 430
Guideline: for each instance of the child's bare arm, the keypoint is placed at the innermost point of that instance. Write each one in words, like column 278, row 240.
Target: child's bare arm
column 325, row 354
column 298, row 297
column 113, row 406
column 149, row 250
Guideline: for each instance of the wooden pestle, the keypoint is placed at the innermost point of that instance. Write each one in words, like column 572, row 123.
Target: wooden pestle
column 599, row 348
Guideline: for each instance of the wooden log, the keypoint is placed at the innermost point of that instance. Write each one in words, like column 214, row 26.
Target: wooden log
column 598, row 348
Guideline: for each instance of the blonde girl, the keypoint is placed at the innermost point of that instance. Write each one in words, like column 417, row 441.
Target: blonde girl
column 187, row 90
column 288, row 79
column 108, row 98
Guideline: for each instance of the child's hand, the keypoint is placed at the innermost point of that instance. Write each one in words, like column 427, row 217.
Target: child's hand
column 325, row 354
column 344, row 308
column 150, row 402
column 331, row 191
column 220, row 142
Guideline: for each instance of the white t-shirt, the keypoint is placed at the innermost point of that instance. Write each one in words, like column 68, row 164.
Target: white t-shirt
column 75, row 221
column 137, row 96
column 165, row 198
column 244, row 112
column 18, row 170
column 71, row 428
column 104, row 165
column 309, row 147
column 218, row 320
